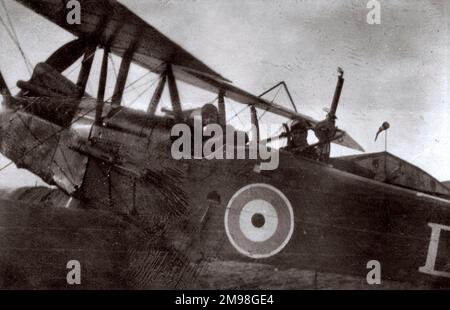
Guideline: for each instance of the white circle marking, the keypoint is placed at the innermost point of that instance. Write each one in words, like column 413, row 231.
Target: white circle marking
column 263, row 233
column 291, row 228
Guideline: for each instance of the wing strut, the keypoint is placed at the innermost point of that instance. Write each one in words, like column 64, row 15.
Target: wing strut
column 222, row 112
column 255, row 123
column 157, row 95
column 102, row 88
column 123, row 72
column 174, row 96
column 86, row 68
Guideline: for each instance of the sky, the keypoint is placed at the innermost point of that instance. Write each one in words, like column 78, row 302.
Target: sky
column 396, row 71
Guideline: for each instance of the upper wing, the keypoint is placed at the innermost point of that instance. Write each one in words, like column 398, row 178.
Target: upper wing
column 108, row 22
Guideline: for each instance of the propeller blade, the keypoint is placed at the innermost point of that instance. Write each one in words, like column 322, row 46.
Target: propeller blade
column 67, row 55
column 344, row 139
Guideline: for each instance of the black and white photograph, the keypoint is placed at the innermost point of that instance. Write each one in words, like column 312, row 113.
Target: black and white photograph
column 224, row 145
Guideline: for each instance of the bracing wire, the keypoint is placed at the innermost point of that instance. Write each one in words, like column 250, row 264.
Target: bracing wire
column 236, row 114
column 274, row 97
column 14, row 37
column 152, row 83
column 115, row 71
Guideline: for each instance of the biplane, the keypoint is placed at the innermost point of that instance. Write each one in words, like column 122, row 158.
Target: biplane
column 134, row 217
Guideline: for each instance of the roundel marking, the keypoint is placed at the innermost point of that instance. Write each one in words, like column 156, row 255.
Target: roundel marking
column 259, row 220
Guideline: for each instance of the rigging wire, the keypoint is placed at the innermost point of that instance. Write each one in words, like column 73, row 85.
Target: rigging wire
column 132, row 85
column 116, row 74
column 274, row 97
column 276, row 94
column 73, row 69
column 17, row 44
column 213, row 101
column 14, row 37
column 113, row 66
column 237, row 114
column 152, row 83
column 27, row 127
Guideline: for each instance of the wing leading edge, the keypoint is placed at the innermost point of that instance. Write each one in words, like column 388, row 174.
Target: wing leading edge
column 109, row 23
